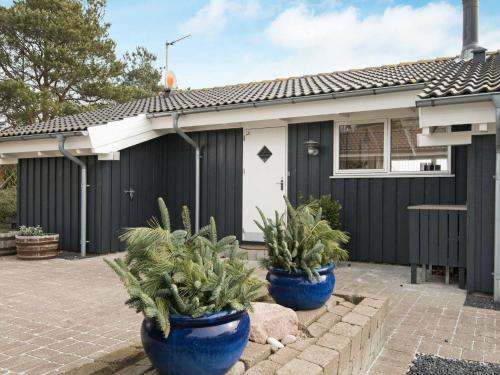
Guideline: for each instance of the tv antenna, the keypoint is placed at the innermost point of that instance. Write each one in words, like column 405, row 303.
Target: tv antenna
column 168, row 44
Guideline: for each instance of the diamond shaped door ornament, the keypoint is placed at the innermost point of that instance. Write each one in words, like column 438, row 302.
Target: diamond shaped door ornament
column 264, row 154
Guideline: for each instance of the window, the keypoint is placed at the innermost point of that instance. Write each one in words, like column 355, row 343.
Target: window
column 361, row 146
column 385, row 147
column 407, row 157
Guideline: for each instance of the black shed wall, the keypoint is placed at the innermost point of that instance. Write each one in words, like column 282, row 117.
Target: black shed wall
column 49, row 188
column 481, row 214
column 374, row 210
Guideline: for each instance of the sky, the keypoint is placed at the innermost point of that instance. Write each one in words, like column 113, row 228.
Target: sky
column 235, row 41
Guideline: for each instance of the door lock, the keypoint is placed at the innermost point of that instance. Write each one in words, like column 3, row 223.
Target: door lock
column 281, row 183
column 130, row 193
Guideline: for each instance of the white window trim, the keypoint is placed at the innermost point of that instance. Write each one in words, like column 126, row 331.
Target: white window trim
column 386, row 171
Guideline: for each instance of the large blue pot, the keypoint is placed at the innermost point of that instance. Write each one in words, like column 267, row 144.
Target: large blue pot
column 208, row 345
column 296, row 291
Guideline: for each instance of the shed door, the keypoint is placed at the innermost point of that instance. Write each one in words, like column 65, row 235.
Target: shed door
column 264, row 176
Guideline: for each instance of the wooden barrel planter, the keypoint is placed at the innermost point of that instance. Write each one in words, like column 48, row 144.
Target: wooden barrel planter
column 8, row 243
column 37, row 247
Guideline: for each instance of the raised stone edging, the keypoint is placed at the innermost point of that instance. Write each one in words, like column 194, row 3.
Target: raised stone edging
column 343, row 337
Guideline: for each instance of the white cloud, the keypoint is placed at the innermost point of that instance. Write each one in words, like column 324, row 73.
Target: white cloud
column 213, row 18
column 342, row 38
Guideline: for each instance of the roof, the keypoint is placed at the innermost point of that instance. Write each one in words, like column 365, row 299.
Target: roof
column 466, row 78
column 443, row 76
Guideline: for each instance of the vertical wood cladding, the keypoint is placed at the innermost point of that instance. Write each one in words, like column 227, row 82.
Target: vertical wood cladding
column 49, row 188
column 374, row 210
column 481, row 214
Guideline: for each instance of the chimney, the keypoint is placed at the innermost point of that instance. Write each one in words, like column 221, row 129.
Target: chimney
column 470, row 39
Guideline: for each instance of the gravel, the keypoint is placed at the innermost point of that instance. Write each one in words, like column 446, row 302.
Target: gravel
column 425, row 364
column 482, row 302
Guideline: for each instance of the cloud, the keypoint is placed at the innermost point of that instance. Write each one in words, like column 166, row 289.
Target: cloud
column 342, row 38
column 213, row 18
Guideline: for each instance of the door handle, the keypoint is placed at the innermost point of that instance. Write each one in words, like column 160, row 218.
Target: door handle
column 281, row 183
column 130, row 193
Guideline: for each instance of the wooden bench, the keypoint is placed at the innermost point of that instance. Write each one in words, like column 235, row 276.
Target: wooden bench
column 438, row 236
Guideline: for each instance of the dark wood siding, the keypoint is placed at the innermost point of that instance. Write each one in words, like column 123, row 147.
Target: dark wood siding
column 481, row 214
column 49, row 188
column 374, row 210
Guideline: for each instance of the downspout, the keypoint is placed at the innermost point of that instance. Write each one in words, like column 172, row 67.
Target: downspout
column 83, row 193
column 175, row 122
column 496, row 274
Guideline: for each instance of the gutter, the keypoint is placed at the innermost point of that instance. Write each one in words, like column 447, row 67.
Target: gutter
column 300, row 99
column 61, row 138
column 460, row 99
column 42, row 136
column 496, row 272
column 192, row 143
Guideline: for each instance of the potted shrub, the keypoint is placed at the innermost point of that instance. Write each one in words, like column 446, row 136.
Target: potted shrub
column 302, row 253
column 8, row 243
column 33, row 243
column 194, row 301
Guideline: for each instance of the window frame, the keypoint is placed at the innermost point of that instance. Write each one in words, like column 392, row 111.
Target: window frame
column 386, row 171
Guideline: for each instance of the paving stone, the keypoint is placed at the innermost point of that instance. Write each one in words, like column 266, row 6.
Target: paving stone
column 254, row 353
column 302, row 343
column 372, row 313
column 327, row 358
column 472, row 355
column 300, row 367
column 340, row 310
column 363, row 322
column 341, row 344
column 348, row 304
column 352, row 332
column 237, row 369
column 307, row 317
column 264, row 368
column 329, row 319
column 284, row 355
column 316, row 329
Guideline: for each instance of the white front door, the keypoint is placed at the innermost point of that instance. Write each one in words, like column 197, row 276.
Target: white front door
column 264, row 176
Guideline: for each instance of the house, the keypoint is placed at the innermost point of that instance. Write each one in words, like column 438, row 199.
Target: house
column 379, row 140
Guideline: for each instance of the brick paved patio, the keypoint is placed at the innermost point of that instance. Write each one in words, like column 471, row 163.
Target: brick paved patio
column 58, row 314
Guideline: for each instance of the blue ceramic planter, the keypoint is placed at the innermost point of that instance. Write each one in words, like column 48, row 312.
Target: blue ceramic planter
column 208, row 345
column 296, row 291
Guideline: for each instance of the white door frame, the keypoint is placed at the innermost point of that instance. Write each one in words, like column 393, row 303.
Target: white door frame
column 249, row 237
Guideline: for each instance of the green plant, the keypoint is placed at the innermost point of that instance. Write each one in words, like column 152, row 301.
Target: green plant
column 330, row 209
column 7, row 204
column 31, row 231
column 303, row 241
column 180, row 272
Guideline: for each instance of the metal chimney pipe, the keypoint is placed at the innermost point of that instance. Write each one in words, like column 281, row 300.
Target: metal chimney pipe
column 470, row 33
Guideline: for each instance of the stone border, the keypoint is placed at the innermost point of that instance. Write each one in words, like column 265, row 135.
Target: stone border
column 343, row 337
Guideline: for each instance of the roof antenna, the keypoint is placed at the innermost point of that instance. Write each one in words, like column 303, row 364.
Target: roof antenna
column 170, row 80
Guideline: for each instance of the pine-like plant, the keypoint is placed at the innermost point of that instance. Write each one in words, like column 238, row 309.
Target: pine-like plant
column 180, row 272
column 303, row 241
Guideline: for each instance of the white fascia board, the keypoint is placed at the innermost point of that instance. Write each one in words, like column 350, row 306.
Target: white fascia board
column 444, row 139
column 389, row 101
column 43, row 147
column 8, row 161
column 457, row 114
column 117, row 135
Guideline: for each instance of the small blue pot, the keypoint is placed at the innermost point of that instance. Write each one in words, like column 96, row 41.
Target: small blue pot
column 296, row 291
column 208, row 345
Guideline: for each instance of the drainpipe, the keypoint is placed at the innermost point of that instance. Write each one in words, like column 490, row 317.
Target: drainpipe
column 175, row 121
column 83, row 193
column 496, row 274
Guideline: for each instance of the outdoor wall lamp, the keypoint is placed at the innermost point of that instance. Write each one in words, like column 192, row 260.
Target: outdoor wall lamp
column 312, row 148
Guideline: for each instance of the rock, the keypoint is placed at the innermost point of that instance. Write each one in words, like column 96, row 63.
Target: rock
column 288, row 339
column 274, row 348
column 274, row 343
column 272, row 320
